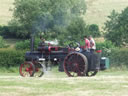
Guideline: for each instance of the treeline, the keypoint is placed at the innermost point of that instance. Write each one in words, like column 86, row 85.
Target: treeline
column 78, row 26
column 10, row 31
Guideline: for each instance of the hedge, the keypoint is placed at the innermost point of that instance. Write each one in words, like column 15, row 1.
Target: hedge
column 25, row 45
column 11, row 57
column 106, row 47
column 119, row 57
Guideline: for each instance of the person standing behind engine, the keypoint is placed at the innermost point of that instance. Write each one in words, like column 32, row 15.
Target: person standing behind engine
column 42, row 43
column 87, row 44
column 92, row 44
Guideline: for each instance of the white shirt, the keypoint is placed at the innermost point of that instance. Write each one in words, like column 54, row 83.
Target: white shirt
column 92, row 44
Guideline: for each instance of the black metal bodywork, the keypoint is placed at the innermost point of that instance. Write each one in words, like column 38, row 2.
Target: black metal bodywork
column 56, row 54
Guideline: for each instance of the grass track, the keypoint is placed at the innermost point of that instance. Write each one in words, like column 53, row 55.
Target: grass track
column 58, row 84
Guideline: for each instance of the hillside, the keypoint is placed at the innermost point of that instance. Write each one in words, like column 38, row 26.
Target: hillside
column 97, row 11
column 5, row 14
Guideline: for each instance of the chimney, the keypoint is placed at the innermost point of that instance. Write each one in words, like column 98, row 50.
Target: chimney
column 32, row 42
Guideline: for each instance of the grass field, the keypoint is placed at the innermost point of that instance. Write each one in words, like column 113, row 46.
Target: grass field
column 98, row 10
column 5, row 14
column 58, row 84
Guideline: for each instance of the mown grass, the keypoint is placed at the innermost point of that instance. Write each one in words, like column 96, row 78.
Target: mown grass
column 54, row 83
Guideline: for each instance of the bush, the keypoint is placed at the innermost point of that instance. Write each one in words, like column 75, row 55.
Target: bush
column 2, row 43
column 119, row 57
column 106, row 47
column 94, row 30
column 14, row 31
column 25, row 45
column 11, row 58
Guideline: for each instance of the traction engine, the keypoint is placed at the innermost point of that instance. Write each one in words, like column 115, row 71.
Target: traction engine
column 73, row 63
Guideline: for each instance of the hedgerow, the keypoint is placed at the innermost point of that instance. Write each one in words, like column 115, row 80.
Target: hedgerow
column 11, row 57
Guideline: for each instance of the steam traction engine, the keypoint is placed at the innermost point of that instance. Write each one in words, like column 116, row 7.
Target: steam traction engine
column 72, row 62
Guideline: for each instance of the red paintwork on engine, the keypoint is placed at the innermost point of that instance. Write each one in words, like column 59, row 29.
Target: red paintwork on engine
column 99, row 51
column 53, row 48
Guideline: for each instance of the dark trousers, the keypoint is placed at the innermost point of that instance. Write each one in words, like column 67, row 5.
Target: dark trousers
column 92, row 50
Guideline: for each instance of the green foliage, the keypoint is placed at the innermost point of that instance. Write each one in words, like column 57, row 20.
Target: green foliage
column 11, row 58
column 106, row 47
column 119, row 57
column 13, row 31
column 2, row 43
column 25, row 45
column 4, row 30
column 75, row 32
column 44, row 15
column 94, row 30
column 116, row 28
column 77, row 29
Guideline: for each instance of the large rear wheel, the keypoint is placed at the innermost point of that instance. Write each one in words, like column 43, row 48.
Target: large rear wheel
column 27, row 69
column 91, row 73
column 75, row 64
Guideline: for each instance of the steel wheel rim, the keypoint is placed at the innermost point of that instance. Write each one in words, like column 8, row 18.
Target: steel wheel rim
column 26, row 69
column 39, row 70
column 91, row 73
column 74, row 65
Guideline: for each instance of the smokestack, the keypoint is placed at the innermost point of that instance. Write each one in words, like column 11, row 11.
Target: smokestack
column 32, row 42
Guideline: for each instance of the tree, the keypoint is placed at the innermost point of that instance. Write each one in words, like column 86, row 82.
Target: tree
column 94, row 30
column 44, row 15
column 75, row 32
column 117, row 27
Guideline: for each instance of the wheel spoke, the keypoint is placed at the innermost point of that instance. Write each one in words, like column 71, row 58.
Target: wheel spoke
column 74, row 64
column 39, row 70
column 27, row 69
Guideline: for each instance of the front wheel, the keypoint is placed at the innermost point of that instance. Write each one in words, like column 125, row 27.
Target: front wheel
column 39, row 69
column 27, row 69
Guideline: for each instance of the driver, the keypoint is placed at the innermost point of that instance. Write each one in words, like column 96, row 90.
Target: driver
column 42, row 41
column 87, row 44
